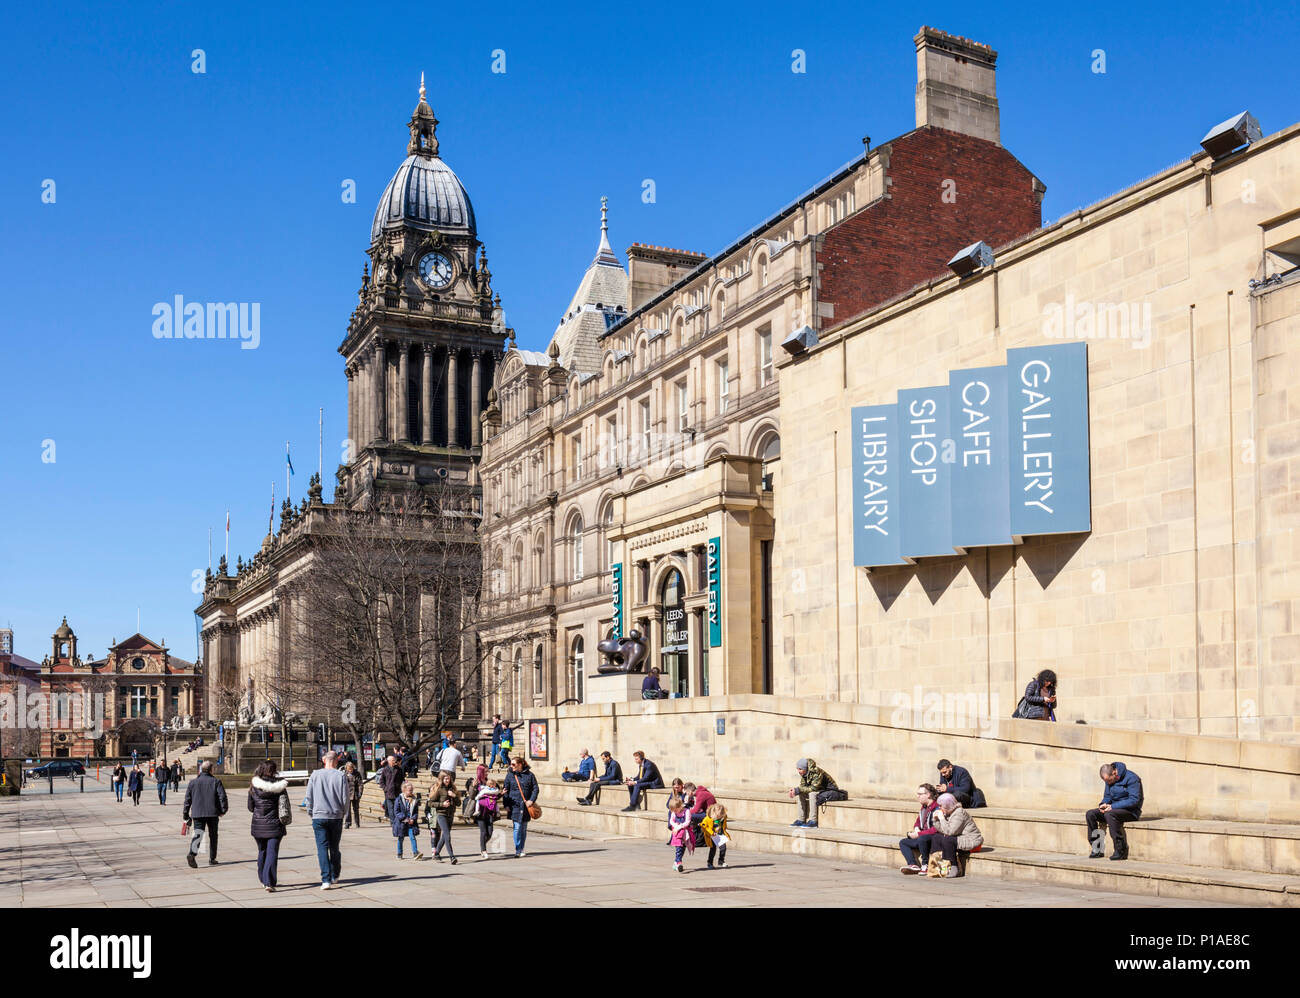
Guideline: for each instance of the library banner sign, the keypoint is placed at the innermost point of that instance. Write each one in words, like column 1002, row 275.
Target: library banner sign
column 995, row 455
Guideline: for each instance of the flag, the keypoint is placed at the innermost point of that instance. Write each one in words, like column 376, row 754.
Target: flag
column 286, row 457
column 227, row 521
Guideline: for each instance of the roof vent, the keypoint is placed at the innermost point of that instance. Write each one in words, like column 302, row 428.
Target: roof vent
column 1229, row 136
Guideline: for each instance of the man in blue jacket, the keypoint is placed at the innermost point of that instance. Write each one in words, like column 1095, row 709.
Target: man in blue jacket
column 1121, row 802
column 586, row 769
column 613, row 775
column 647, row 778
column 957, row 781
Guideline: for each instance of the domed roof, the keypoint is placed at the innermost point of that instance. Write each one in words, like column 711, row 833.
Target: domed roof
column 64, row 630
column 424, row 194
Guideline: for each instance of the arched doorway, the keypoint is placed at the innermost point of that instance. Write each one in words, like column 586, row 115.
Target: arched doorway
column 676, row 644
column 137, row 736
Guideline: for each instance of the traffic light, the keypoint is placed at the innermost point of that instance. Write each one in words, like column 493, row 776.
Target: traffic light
column 320, row 733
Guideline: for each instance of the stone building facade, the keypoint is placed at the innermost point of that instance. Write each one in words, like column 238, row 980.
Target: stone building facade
column 110, row 706
column 632, row 473
column 1175, row 612
column 419, row 354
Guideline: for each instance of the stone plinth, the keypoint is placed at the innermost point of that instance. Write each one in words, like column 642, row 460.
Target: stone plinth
column 614, row 687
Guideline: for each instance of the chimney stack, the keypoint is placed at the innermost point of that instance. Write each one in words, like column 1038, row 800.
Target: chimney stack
column 956, row 85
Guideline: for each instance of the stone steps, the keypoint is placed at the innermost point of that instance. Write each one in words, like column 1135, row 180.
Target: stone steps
column 868, row 831
column 1251, row 846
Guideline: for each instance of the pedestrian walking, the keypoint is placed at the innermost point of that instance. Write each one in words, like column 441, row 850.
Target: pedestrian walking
column 355, row 788
column 521, row 790
column 178, row 772
column 135, row 785
column 442, row 808
column 498, row 732
column 162, row 775
column 268, row 802
column 205, row 803
column 406, row 819
column 486, row 808
column 327, row 803
column 119, row 781
column 451, row 759
column 390, row 779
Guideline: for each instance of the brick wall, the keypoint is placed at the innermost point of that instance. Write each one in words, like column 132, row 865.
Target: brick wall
column 912, row 233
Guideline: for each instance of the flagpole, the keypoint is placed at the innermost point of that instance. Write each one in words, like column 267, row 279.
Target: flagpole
column 209, row 550
column 227, row 538
column 320, row 448
column 270, row 517
column 288, row 494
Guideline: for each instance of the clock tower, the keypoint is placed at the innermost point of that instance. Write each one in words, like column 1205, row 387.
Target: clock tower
column 423, row 342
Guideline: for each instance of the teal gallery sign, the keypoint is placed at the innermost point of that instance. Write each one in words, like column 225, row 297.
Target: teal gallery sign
column 995, row 455
column 617, row 605
column 713, row 554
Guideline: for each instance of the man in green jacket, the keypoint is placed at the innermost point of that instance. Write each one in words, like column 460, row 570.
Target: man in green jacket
column 812, row 781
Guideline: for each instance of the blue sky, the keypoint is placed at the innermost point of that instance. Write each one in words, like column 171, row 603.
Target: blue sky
column 226, row 186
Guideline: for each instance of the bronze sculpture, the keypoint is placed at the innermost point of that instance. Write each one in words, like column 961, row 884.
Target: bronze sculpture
column 622, row 654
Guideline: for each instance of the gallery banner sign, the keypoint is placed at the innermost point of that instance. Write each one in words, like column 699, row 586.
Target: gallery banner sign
column 996, row 455
column 714, row 565
column 617, row 604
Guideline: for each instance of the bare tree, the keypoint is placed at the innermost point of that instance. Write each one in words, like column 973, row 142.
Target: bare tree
column 386, row 616
column 227, row 698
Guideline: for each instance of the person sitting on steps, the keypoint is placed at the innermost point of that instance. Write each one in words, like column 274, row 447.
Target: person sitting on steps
column 613, row 775
column 1121, row 802
column 814, row 787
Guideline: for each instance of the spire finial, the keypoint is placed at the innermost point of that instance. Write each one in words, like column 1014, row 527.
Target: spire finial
column 423, row 126
column 604, row 252
column 421, row 84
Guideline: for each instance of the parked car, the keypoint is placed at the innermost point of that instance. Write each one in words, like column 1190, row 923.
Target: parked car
column 57, row 767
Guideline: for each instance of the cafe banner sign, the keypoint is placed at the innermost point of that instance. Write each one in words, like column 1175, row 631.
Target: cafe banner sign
column 996, row 455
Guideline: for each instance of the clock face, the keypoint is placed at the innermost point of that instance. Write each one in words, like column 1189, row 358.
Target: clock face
column 435, row 270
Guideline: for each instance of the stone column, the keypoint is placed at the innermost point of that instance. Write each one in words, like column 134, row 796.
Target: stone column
column 426, row 386
column 380, row 390
column 475, row 400
column 403, row 434
column 352, row 402
column 451, row 397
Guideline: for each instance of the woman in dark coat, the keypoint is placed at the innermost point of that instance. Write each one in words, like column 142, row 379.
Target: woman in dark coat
column 520, row 790
column 1040, row 697
column 264, row 804
column 135, row 785
column 119, row 781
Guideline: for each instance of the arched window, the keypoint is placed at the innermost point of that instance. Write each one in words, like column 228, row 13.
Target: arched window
column 578, row 661
column 762, row 270
column 539, row 559
column 770, row 453
column 537, row 671
column 575, row 538
column 675, row 633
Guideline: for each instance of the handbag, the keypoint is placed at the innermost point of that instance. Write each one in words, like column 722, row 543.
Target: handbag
column 185, row 828
column 534, row 812
column 1021, row 707
column 282, row 809
column 938, row 867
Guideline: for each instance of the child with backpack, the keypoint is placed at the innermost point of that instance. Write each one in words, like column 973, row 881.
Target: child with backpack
column 485, row 812
column 716, row 836
column 683, row 833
